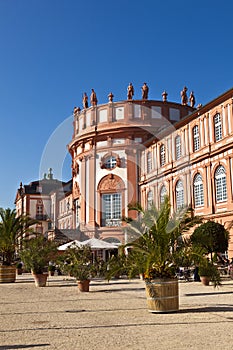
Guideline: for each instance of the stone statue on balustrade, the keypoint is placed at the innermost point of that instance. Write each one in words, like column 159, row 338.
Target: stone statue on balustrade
column 192, row 99
column 145, row 91
column 85, row 100
column 130, row 91
column 94, row 100
column 184, row 98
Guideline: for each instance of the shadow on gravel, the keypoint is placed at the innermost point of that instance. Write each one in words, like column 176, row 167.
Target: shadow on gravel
column 210, row 293
column 221, row 308
column 8, row 347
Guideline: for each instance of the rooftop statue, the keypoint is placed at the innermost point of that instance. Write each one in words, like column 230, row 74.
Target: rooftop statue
column 130, row 93
column 145, row 90
column 164, row 94
column 85, row 100
column 110, row 97
column 184, row 98
column 94, row 100
column 192, row 99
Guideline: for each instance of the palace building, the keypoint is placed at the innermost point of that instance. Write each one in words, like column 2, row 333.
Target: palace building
column 139, row 151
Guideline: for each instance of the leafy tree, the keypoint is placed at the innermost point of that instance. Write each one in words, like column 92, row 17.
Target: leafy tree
column 211, row 236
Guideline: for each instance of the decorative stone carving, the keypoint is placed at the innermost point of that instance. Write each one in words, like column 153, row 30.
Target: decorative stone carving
column 76, row 110
column 75, row 168
column 76, row 190
column 111, row 183
column 85, row 100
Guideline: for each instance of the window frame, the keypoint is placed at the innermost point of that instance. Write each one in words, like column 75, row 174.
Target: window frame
column 196, row 138
column 198, row 191
column 220, row 181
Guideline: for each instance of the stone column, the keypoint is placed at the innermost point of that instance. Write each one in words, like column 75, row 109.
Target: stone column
column 83, row 190
column 92, row 191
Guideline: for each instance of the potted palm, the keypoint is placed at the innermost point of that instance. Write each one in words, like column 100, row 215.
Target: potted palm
column 12, row 229
column 36, row 254
column 77, row 262
column 155, row 238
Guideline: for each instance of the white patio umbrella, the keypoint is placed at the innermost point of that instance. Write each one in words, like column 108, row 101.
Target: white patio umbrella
column 73, row 244
column 98, row 244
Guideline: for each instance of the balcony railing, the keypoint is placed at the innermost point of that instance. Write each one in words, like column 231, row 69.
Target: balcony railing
column 112, row 222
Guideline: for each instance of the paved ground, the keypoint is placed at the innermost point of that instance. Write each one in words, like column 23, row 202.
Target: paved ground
column 112, row 316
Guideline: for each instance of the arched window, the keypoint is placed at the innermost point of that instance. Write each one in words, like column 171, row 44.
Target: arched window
column 149, row 199
column 111, row 195
column 196, row 138
column 198, row 190
column 163, row 194
column 178, row 147
column 149, row 162
column 220, row 184
column 217, row 127
column 162, row 155
column 179, row 195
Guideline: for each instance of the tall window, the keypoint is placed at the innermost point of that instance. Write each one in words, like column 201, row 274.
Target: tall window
column 162, row 155
column 220, row 184
column 179, row 195
column 149, row 199
column 111, row 209
column 163, row 194
column 217, row 127
column 178, row 147
column 196, row 138
column 149, row 162
column 198, row 190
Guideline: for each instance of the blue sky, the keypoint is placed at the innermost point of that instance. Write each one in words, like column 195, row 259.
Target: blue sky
column 54, row 50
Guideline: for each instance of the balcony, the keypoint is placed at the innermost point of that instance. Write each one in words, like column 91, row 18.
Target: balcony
column 41, row 217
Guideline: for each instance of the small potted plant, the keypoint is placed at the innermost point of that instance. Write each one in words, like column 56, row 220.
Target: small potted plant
column 77, row 262
column 36, row 254
column 209, row 272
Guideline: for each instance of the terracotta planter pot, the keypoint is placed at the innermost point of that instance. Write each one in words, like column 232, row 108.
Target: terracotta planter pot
column 7, row 274
column 83, row 286
column 40, row 279
column 205, row 280
column 162, row 295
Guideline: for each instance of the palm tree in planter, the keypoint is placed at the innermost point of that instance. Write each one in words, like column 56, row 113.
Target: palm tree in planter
column 77, row 262
column 12, row 229
column 36, row 253
column 156, row 237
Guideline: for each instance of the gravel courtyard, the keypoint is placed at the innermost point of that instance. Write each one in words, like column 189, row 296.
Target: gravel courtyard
column 112, row 316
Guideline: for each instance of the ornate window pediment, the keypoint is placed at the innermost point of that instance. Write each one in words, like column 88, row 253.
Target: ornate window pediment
column 110, row 161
